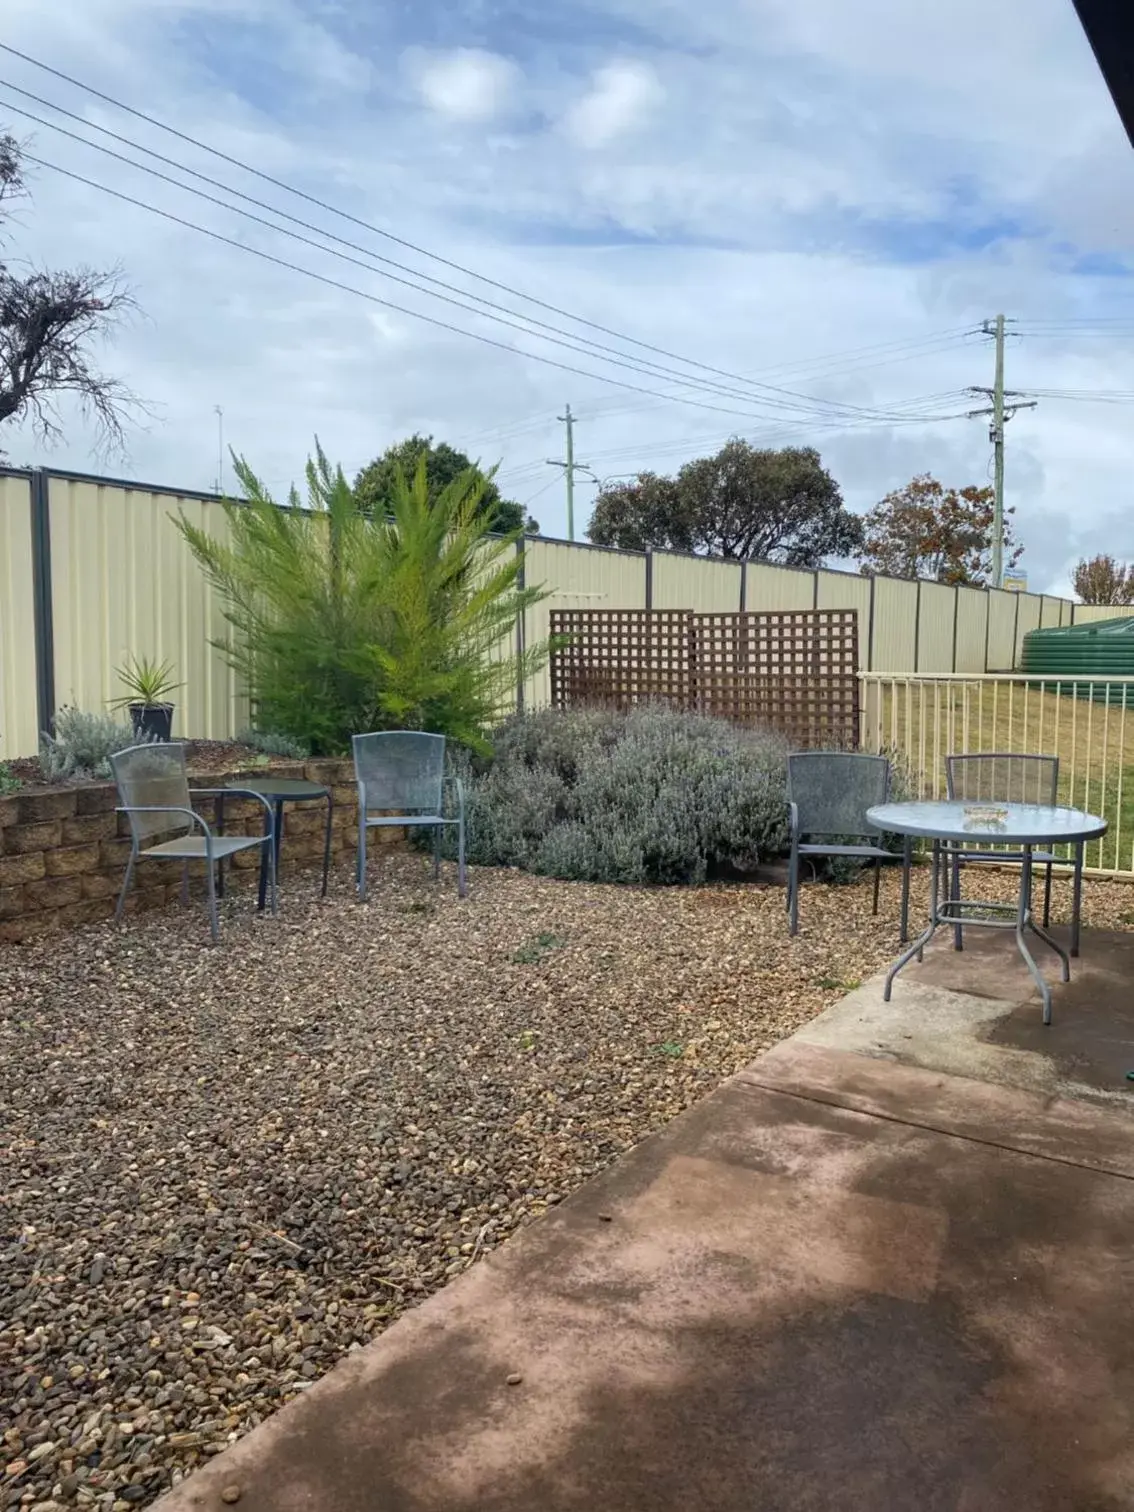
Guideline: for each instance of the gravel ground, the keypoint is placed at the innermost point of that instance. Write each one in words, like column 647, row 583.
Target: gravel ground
column 222, row 1169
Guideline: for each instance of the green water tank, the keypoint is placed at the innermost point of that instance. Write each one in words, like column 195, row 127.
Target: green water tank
column 1078, row 654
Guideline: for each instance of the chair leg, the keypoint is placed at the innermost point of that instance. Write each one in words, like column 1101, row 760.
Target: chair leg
column 436, row 851
column 877, row 883
column 1047, row 897
column 362, row 858
column 125, row 886
column 211, row 886
column 273, row 880
column 462, row 870
column 327, row 840
column 793, row 894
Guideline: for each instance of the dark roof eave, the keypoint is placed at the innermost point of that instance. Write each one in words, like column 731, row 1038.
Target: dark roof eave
column 1109, row 25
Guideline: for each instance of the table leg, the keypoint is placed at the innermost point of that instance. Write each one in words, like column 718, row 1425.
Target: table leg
column 1076, row 899
column 327, row 840
column 907, row 862
column 273, row 827
column 955, row 897
column 1023, row 920
column 918, row 946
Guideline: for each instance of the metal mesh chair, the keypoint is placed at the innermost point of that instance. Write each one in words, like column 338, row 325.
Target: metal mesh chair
column 1009, row 777
column 404, row 771
column 157, row 800
column 829, row 793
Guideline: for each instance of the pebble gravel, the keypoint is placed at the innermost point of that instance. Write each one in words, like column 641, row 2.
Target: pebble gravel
column 223, row 1169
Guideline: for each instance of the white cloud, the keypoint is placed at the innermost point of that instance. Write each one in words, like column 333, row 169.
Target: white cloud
column 466, row 84
column 799, row 188
column 621, row 99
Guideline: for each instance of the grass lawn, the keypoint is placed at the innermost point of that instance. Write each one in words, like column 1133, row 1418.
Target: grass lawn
column 926, row 721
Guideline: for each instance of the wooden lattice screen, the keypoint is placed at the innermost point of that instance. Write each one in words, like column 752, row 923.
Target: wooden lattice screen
column 796, row 672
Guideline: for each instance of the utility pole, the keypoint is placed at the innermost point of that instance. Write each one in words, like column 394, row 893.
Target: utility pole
column 220, row 448
column 999, row 414
column 570, row 468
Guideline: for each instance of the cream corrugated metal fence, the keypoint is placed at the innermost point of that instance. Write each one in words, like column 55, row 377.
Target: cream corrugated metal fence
column 122, row 582
column 19, row 726
column 125, row 583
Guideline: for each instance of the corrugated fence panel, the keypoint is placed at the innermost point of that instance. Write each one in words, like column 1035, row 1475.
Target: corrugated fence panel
column 1002, row 609
column 685, row 582
column 19, row 716
column 772, row 588
column 125, row 584
column 842, row 590
column 895, row 619
column 1027, row 618
column 1085, row 614
column 972, row 629
column 578, row 577
column 1051, row 612
column 935, row 628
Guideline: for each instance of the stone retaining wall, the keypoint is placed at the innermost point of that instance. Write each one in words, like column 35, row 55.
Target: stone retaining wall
column 63, row 851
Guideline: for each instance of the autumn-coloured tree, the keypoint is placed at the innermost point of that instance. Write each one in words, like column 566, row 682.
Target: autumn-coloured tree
column 1102, row 580
column 928, row 530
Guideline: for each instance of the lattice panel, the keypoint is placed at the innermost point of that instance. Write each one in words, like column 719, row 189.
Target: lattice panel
column 620, row 657
column 794, row 671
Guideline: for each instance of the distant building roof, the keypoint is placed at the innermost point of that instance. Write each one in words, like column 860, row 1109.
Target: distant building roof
column 1109, row 25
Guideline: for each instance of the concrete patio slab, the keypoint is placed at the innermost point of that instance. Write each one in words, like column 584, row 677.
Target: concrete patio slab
column 836, row 1283
column 976, row 1014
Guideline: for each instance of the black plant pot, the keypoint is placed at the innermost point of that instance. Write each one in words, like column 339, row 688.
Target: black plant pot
column 152, row 721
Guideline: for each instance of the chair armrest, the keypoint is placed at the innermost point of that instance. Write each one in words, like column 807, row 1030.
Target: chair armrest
column 162, row 808
column 231, row 792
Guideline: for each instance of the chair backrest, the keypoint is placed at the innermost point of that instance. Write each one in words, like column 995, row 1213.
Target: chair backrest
column 834, row 789
column 153, row 776
column 1002, row 777
column 400, row 769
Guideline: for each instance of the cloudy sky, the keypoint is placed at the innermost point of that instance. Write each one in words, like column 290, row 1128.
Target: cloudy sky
column 784, row 219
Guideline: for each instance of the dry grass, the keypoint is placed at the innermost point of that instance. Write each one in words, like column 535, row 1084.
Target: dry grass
column 925, row 721
column 224, row 1169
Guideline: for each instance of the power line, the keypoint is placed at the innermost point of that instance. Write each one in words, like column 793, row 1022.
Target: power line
column 583, row 345
column 388, row 304
column 808, row 402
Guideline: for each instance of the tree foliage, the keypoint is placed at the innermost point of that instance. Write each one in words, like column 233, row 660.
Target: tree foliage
column 742, row 502
column 49, row 323
column 345, row 621
column 1102, row 580
column 377, row 483
column 928, row 530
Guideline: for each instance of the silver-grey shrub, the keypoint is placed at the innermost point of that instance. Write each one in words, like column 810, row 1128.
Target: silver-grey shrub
column 82, row 744
column 650, row 796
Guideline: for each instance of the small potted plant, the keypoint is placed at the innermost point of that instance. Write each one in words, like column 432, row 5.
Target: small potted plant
column 148, row 684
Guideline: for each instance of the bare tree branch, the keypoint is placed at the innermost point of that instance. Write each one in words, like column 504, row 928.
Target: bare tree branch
column 49, row 322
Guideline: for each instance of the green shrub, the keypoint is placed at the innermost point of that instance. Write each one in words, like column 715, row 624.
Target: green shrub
column 8, row 782
column 82, row 744
column 647, row 796
column 345, row 621
column 274, row 743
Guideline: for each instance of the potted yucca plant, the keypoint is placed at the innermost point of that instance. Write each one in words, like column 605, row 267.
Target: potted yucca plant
column 148, row 684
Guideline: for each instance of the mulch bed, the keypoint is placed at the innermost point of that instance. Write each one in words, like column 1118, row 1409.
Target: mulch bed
column 223, row 1169
column 201, row 757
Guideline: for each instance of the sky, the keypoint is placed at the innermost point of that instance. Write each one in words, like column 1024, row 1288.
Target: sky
column 782, row 219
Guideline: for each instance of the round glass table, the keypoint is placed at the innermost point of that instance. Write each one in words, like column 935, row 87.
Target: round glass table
column 954, row 828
